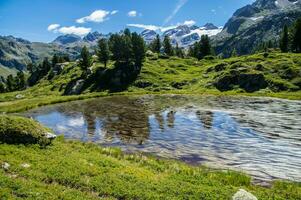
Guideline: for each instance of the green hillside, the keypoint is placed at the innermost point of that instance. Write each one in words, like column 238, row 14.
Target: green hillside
column 277, row 75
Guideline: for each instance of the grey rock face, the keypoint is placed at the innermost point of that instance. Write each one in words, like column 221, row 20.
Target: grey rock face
column 92, row 37
column 253, row 24
column 74, row 87
column 67, row 39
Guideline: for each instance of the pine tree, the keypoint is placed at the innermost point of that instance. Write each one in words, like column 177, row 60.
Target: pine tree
column 168, row 50
column 138, row 48
column 20, row 81
column 31, row 68
column 121, row 48
column 103, row 52
column 284, row 40
column 45, row 68
column 156, row 44
column 10, row 83
column 127, row 32
column 179, row 52
column 2, row 87
column 296, row 41
column 55, row 60
column 205, row 47
column 194, row 50
column 86, row 59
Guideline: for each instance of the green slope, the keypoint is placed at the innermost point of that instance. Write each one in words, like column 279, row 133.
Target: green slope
column 174, row 75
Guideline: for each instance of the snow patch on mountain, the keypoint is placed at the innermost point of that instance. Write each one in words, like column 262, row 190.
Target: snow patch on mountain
column 285, row 3
column 183, row 35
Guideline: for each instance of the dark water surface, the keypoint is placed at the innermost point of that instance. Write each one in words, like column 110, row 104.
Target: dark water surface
column 259, row 136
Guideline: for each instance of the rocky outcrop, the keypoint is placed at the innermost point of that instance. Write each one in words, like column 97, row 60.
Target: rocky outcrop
column 74, row 87
column 248, row 82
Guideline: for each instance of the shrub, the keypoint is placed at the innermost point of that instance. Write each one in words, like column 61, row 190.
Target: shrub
column 277, row 85
column 209, row 57
column 20, row 130
column 297, row 82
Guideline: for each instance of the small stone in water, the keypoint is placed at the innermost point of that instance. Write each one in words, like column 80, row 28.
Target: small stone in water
column 243, row 195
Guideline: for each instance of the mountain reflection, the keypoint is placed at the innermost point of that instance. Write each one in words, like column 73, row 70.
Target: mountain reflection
column 245, row 133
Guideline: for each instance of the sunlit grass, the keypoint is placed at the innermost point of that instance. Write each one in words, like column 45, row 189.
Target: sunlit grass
column 86, row 171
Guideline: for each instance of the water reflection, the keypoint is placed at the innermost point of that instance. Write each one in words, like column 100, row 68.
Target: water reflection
column 259, row 136
column 205, row 117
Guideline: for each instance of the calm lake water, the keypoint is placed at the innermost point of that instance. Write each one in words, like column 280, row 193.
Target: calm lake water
column 259, row 136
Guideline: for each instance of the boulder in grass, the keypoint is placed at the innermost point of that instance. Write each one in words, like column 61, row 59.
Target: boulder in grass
column 20, row 130
column 243, row 195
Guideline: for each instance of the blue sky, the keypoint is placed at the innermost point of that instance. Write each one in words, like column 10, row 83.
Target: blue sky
column 41, row 20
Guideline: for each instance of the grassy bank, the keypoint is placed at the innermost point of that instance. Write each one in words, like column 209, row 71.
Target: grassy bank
column 73, row 170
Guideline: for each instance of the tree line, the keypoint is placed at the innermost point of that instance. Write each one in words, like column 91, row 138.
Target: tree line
column 36, row 72
column 198, row 50
column 13, row 83
column 124, row 48
column 290, row 39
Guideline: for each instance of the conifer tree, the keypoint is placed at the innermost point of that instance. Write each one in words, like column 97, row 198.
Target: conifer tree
column 86, row 59
column 103, row 52
column 55, row 60
column 284, row 40
column 156, row 44
column 296, row 40
column 179, row 52
column 205, row 47
column 121, row 48
column 2, row 87
column 168, row 50
column 138, row 48
column 20, row 81
column 10, row 83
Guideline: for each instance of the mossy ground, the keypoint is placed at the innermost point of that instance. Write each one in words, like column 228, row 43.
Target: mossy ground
column 73, row 170
column 16, row 130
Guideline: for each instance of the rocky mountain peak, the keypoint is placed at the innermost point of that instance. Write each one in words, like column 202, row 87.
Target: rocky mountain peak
column 92, row 37
column 67, row 39
column 210, row 26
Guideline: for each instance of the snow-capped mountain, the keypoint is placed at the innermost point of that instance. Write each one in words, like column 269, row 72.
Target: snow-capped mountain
column 73, row 40
column 184, row 35
column 148, row 35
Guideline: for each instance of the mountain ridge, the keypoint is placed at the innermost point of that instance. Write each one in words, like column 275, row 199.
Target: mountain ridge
column 253, row 24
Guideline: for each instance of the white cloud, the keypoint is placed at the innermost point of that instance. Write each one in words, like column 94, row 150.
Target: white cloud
column 166, row 28
column 162, row 28
column 80, row 31
column 132, row 13
column 152, row 27
column 178, row 7
column 189, row 22
column 144, row 26
column 97, row 16
column 53, row 27
column 114, row 12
